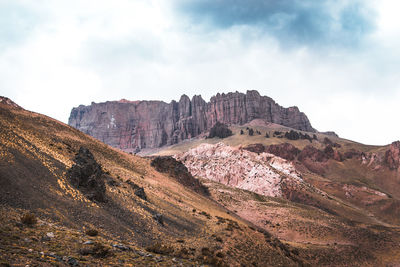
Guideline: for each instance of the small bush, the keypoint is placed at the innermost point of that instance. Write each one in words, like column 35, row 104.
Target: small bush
column 206, row 251
column 241, row 132
column 220, row 130
column 206, row 214
column 251, row 132
column 29, row 219
column 160, row 249
column 220, row 254
column 292, row 135
column 266, row 135
column 97, row 250
column 92, row 232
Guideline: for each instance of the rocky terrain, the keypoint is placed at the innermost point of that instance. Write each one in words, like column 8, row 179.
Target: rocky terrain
column 260, row 173
column 257, row 194
column 135, row 125
column 346, row 190
column 66, row 199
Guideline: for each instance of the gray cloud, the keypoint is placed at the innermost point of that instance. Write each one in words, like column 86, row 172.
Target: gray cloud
column 291, row 22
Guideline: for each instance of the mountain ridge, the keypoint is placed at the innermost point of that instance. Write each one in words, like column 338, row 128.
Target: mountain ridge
column 135, row 125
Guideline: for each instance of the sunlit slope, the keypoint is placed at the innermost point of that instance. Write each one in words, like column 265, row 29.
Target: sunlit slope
column 36, row 152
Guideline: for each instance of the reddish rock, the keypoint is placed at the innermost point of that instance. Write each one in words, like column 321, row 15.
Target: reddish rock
column 333, row 154
column 264, row 174
column 255, row 148
column 392, row 156
column 314, row 154
column 6, row 101
column 352, row 154
column 286, row 151
column 134, row 125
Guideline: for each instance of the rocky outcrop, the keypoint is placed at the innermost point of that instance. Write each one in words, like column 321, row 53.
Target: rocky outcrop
column 134, row 125
column 285, row 150
column 263, row 173
column 87, row 176
column 312, row 158
column 179, row 172
column 392, row 156
column 6, row 101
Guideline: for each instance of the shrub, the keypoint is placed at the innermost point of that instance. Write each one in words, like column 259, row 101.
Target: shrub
column 92, row 232
column 97, row 250
column 292, row 135
column 29, row 219
column 266, row 135
column 220, row 130
column 251, row 132
column 241, row 132
column 160, row 249
column 220, row 254
column 206, row 251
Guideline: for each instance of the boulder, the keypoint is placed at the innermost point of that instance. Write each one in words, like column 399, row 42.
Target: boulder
column 87, row 176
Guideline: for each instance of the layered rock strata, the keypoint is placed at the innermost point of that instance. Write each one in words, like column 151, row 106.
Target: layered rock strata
column 263, row 173
column 134, row 125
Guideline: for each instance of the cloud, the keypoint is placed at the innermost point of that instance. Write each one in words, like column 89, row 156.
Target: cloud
column 291, row 22
column 65, row 53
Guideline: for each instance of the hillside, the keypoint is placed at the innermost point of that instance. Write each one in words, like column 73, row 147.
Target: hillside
column 346, row 210
column 318, row 201
column 143, row 217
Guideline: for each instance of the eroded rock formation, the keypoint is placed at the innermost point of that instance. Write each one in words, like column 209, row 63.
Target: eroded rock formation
column 392, row 156
column 134, row 125
column 263, row 173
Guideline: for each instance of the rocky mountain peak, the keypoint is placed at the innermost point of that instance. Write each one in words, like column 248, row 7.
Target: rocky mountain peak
column 135, row 125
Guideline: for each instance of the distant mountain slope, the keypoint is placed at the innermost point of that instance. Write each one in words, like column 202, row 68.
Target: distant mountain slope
column 135, row 125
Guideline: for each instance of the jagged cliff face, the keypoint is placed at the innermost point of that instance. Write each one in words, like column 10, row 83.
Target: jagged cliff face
column 134, row 125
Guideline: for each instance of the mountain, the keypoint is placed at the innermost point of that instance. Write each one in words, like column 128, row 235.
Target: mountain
column 267, row 195
column 67, row 199
column 135, row 125
column 325, row 195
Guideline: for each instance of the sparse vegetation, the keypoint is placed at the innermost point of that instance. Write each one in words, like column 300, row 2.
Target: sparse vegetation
column 251, row 131
column 29, row 219
column 92, row 232
column 160, row 249
column 292, row 135
column 97, row 250
column 219, row 130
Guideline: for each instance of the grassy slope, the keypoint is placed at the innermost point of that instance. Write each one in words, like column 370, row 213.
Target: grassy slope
column 35, row 153
column 237, row 139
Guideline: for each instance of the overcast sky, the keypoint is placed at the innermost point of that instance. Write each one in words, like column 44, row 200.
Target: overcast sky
column 337, row 60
